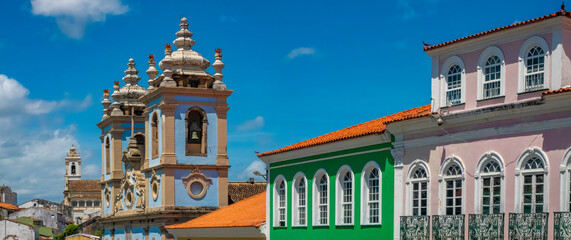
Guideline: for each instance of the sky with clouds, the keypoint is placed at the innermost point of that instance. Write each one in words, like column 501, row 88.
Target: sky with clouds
column 299, row 69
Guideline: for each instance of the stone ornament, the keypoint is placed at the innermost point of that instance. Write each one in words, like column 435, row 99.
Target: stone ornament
column 196, row 184
column 155, row 185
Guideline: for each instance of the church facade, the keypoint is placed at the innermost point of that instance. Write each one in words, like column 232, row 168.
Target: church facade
column 164, row 155
column 82, row 195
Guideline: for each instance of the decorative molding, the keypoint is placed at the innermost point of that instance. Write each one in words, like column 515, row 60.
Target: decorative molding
column 196, row 177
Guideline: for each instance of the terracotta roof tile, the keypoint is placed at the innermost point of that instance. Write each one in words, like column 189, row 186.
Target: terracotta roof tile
column 9, row 206
column 367, row 128
column 84, row 186
column 561, row 90
column 238, row 191
column 250, row 212
column 560, row 13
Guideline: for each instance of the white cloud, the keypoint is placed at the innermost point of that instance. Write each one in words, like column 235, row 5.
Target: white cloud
column 31, row 155
column 72, row 16
column 300, row 51
column 253, row 124
column 256, row 165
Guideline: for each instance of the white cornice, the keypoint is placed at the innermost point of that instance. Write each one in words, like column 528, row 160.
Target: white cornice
column 328, row 147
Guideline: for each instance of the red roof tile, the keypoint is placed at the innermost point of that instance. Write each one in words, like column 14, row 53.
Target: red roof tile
column 561, row 90
column 250, row 212
column 9, row 206
column 560, row 13
column 367, row 128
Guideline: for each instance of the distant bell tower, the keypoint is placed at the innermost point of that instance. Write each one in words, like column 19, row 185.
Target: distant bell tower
column 72, row 165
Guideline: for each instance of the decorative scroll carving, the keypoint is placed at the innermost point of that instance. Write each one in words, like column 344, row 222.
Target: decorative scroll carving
column 140, row 189
column 155, row 185
column 447, row 227
column 528, row 225
column 415, row 227
column 562, row 225
column 486, row 226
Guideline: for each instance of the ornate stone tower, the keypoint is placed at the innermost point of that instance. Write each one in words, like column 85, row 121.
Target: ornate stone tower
column 72, row 165
column 122, row 122
column 164, row 149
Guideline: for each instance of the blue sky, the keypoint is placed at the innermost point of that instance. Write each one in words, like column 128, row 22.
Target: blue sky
column 299, row 69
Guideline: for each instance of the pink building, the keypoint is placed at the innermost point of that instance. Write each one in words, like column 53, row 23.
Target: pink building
column 494, row 158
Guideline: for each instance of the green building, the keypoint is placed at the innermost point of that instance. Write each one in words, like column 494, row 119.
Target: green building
column 336, row 186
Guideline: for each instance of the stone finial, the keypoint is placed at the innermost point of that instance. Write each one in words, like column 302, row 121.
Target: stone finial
column 563, row 7
column 152, row 72
column 106, row 103
column 116, row 96
column 131, row 77
column 218, row 65
column 184, row 39
column 168, row 81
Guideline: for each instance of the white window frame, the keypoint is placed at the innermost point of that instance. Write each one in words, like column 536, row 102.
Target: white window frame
column 478, row 190
column 527, row 45
column 565, row 182
column 339, row 196
column 276, row 200
column 486, row 54
column 316, row 204
column 451, row 61
column 442, row 178
column 416, row 164
column 519, row 172
column 365, row 193
column 295, row 200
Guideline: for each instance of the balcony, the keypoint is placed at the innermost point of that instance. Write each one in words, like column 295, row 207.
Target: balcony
column 486, row 226
column 562, row 225
column 415, row 227
column 447, row 227
column 528, row 225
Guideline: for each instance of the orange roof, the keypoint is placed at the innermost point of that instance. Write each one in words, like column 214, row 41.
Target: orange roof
column 367, row 128
column 561, row 90
column 560, row 13
column 9, row 206
column 250, row 212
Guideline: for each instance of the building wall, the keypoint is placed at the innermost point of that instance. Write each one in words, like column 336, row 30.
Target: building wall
column 182, row 198
column 19, row 231
column 7, row 196
column 50, row 218
column 509, row 141
column 357, row 161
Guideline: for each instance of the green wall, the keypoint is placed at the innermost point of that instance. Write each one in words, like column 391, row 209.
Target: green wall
column 356, row 162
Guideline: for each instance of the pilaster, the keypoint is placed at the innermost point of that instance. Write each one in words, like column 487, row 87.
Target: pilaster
column 116, row 154
column 168, row 155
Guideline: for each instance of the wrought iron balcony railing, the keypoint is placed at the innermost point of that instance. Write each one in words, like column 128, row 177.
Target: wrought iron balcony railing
column 528, row 225
column 486, row 226
column 562, row 225
column 447, row 227
column 415, row 227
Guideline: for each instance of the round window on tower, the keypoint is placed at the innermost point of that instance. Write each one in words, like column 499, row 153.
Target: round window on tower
column 107, row 199
column 196, row 188
column 155, row 190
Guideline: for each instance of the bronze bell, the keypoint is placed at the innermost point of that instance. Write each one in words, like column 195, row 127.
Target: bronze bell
column 194, row 135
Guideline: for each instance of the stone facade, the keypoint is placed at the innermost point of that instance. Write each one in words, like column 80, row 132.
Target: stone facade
column 7, row 195
column 164, row 148
column 50, row 218
column 82, row 195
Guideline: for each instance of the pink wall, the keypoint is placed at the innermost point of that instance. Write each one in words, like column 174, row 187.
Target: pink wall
column 554, row 143
column 510, row 51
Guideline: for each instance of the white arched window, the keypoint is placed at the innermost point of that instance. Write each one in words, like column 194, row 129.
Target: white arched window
column 299, row 200
column 371, row 194
column 320, row 198
column 532, row 182
column 418, row 189
column 565, row 183
column 491, row 71
column 452, row 186
column 533, row 65
column 345, row 196
column 280, row 202
column 453, row 87
column 490, row 184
